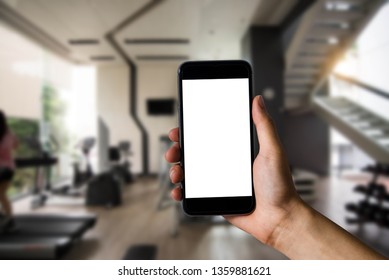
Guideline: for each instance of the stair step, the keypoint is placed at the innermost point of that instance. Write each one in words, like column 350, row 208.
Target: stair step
column 325, row 32
column 346, row 5
column 312, row 59
column 297, row 87
column 340, row 15
column 289, row 79
column 308, row 65
column 361, row 116
column 322, row 46
column 358, row 2
column 313, row 54
column 381, row 136
column 332, row 25
column 304, row 71
column 350, row 111
column 375, row 133
column 384, row 142
column 296, row 93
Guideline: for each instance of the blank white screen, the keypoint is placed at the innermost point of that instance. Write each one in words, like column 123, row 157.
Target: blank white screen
column 216, row 119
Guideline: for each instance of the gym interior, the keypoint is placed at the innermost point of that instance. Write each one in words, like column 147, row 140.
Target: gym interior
column 89, row 88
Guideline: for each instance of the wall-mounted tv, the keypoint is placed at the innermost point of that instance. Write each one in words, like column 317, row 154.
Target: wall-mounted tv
column 161, row 107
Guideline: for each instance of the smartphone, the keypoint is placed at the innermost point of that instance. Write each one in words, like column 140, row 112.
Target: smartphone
column 216, row 137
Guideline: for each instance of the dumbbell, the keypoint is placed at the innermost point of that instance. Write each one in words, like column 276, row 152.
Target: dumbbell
column 385, row 169
column 367, row 190
column 364, row 210
column 381, row 193
column 379, row 169
column 373, row 189
column 381, row 217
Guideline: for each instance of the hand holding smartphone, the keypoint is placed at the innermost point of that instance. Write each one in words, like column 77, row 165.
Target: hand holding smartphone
column 216, row 137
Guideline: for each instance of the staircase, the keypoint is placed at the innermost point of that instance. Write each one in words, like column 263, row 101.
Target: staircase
column 367, row 130
column 326, row 31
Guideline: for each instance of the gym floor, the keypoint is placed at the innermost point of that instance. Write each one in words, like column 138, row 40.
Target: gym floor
column 138, row 221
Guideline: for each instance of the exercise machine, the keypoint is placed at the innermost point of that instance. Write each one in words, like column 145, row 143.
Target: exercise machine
column 125, row 150
column 82, row 175
column 42, row 183
column 120, row 166
column 42, row 236
column 105, row 190
column 82, row 171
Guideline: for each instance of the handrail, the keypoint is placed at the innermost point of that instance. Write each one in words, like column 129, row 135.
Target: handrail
column 363, row 85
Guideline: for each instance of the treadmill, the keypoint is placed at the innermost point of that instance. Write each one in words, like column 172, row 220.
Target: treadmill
column 43, row 236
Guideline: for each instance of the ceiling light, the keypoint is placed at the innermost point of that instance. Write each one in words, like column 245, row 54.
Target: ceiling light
column 157, row 41
column 162, row 57
column 83, row 41
column 333, row 40
column 337, row 6
column 102, row 57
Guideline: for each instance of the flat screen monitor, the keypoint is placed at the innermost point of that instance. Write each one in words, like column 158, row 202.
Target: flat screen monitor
column 161, row 107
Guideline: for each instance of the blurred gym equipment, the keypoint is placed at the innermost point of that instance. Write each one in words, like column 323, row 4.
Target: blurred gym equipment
column 120, row 166
column 373, row 207
column 125, row 153
column 43, row 187
column 43, row 236
column 80, row 176
column 42, row 183
column 304, row 182
column 141, row 252
column 104, row 190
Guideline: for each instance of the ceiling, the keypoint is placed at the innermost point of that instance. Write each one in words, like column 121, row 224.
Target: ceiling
column 170, row 30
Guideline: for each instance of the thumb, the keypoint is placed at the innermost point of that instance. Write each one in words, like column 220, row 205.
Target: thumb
column 266, row 131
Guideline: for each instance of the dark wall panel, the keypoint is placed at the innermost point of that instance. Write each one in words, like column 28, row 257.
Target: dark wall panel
column 306, row 141
column 305, row 137
column 263, row 48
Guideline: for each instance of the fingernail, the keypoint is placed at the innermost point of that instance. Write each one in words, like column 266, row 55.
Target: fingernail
column 261, row 103
column 172, row 171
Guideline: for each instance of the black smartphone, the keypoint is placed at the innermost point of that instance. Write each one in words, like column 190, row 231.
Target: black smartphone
column 216, row 137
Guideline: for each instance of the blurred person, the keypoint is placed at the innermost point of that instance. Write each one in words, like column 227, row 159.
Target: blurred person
column 8, row 143
column 281, row 218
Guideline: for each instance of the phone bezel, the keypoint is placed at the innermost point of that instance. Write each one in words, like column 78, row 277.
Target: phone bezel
column 220, row 69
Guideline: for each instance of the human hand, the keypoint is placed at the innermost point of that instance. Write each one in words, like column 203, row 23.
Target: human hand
column 275, row 194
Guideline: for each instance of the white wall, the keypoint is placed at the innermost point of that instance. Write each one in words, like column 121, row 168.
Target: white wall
column 113, row 106
column 155, row 80
column 21, row 71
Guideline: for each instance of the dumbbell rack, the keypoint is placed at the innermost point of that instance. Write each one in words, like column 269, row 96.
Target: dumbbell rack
column 374, row 207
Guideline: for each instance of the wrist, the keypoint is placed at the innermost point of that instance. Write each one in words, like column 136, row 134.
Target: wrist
column 306, row 234
column 294, row 224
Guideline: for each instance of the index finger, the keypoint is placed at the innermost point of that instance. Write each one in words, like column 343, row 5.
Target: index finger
column 173, row 134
